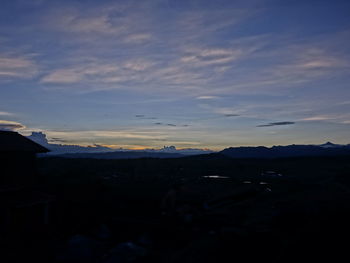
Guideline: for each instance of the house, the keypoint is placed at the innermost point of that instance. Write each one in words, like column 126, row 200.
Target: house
column 23, row 207
column 17, row 159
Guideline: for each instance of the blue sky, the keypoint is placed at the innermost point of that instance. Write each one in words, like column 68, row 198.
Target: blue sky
column 199, row 74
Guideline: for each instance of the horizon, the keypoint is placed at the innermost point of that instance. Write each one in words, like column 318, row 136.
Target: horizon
column 190, row 74
column 42, row 139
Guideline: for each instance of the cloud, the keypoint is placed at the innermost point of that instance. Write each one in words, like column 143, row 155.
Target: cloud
column 129, row 74
column 159, row 65
column 171, row 124
column 102, row 73
column 138, row 65
column 12, row 66
column 10, row 125
column 200, row 23
column 110, row 134
column 84, row 21
column 282, row 123
column 318, row 118
column 344, row 102
column 296, row 65
column 63, row 76
column 90, row 72
column 5, row 113
column 226, row 111
column 207, row 97
column 60, row 140
column 137, row 38
column 128, row 137
column 334, row 118
column 144, row 117
column 208, row 57
column 316, row 58
column 308, row 69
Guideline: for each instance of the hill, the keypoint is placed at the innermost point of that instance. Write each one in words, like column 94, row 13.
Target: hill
column 327, row 149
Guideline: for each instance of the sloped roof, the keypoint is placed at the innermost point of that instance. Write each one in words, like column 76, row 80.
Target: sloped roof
column 14, row 142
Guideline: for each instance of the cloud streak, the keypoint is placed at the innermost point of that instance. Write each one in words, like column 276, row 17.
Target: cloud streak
column 12, row 67
column 5, row 113
column 281, row 123
column 10, row 125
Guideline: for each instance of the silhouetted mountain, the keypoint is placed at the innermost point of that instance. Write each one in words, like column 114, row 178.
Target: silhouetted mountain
column 59, row 149
column 327, row 149
column 331, row 145
column 102, row 152
column 122, row 155
column 186, row 151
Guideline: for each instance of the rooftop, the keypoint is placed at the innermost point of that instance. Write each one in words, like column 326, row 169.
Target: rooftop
column 14, row 142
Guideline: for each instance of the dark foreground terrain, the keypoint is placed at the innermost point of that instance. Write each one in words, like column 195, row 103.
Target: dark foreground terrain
column 206, row 208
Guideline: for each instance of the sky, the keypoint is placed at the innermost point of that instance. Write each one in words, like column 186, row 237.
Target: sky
column 193, row 73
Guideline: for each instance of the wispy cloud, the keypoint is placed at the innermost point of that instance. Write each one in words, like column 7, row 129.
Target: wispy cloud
column 10, row 125
column 318, row 118
column 208, row 57
column 110, row 134
column 144, row 117
column 129, row 138
column 5, row 113
column 207, row 97
column 138, row 38
column 159, row 65
column 63, row 76
column 130, row 74
column 91, row 72
column 17, row 66
column 281, row 123
column 334, row 118
column 138, row 64
column 172, row 124
column 227, row 111
column 231, row 115
column 84, row 21
column 117, row 21
column 200, row 24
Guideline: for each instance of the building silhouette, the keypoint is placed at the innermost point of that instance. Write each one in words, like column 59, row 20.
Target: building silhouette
column 23, row 208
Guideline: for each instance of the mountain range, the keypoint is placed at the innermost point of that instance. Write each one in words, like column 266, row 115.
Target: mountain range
column 102, row 152
column 327, row 149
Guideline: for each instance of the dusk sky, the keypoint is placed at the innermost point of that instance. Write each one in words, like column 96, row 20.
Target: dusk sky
column 194, row 74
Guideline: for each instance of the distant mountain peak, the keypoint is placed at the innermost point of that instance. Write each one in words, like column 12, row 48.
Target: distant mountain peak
column 329, row 145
